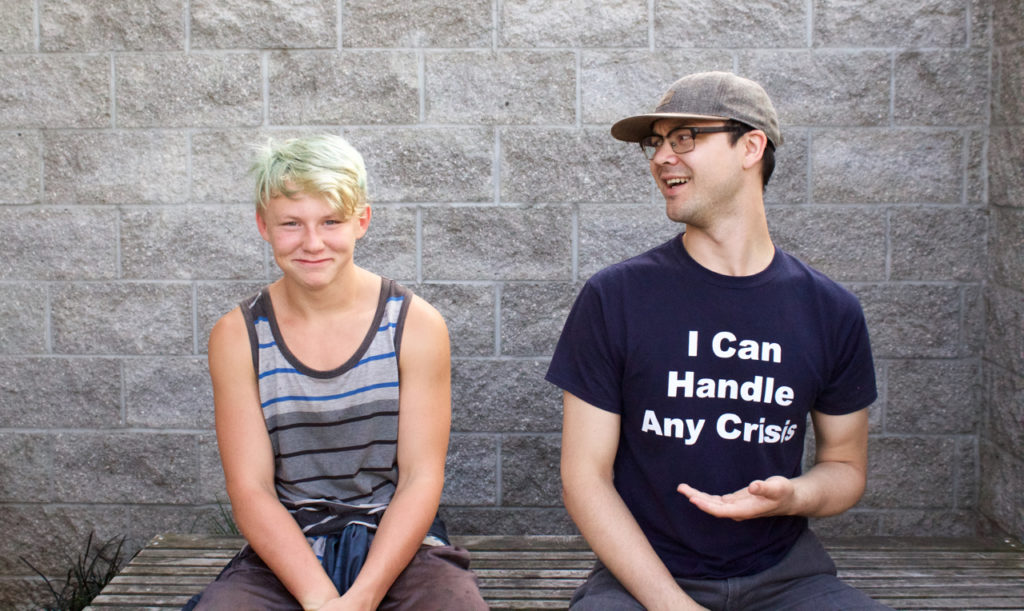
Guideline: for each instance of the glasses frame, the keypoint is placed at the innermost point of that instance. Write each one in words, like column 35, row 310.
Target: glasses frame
column 694, row 131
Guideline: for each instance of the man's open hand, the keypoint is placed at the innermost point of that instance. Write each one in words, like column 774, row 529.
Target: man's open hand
column 771, row 497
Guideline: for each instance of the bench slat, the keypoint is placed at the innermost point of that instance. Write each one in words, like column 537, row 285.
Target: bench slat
column 542, row 572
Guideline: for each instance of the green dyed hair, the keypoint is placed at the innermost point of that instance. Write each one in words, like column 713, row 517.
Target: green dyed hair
column 323, row 164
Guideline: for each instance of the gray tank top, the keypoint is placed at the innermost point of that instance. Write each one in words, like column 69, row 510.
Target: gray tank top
column 334, row 433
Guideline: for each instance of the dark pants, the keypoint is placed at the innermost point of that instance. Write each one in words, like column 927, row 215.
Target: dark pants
column 805, row 580
column 437, row 578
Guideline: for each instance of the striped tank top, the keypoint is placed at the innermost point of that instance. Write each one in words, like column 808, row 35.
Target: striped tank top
column 334, row 433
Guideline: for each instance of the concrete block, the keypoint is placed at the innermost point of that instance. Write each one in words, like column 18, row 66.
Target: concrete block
column 504, row 396
column 191, row 242
column 530, row 471
column 122, row 468
column 965, row 496
column 847, row 244
column 50, row 536
column 122, row 318
column 823, row 87
column 880, row 23
column 1007, row 85
column 215, row 299
column 211, row 473
column 497, row 243
column 505, row 87
column 580, row 23
column 911, row 473
column 973, row 321
column 1001, row 474
column 17, row 32
column 221, row 160
column 1004, row 339
column 943, row 88
column 928, row 522
column 933, row 397
column 977, row 167
column 353, row 87
column 429, row 23
column 136, row 167
column 37, row 89
column 389, row 246
column 27, row 462
column 508, row 521
column 789, row 181
column 842, row 173
column 471, row 470
column 23, row 309
column 1007, row 26
column 95, row 26
column 922, row 250
column 427, row 164
column 1004, row 408
column 912, row 321
column 615, row 84
column 243, row 24
column 729, row 24
column 612, row 233
column 57, row 392
column 168, row 393
column 532, row 315
column 65, row 243
column 468, row 309
column 193, row 90
column 21, row 167
column 571, row 165
column 1005, row 159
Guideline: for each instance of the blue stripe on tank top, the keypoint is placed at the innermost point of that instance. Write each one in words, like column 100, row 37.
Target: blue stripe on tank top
column 330, row 397
column 293, row 370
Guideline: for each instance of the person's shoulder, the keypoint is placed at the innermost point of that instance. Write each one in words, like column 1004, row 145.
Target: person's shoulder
column 651, row 261
column 811, row 279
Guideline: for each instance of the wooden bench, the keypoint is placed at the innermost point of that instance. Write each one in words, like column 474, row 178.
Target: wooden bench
column 541, row 572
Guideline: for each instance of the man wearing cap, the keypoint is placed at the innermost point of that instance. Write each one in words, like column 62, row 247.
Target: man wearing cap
column 689, row 372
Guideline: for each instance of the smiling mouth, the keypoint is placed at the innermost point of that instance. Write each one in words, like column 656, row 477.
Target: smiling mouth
column 676, row 182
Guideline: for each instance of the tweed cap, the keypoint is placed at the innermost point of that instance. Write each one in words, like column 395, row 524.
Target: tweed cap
column 708, row 95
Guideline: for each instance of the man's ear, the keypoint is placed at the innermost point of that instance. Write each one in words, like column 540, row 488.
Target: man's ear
column 754, row 143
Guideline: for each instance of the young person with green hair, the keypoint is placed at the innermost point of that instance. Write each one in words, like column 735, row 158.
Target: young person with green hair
column 333, row 407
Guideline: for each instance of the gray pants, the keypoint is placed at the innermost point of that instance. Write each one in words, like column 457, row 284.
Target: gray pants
column 437, row 578
column 805, row 580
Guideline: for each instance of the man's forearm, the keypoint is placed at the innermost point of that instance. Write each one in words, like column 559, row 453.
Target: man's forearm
column 616, row 538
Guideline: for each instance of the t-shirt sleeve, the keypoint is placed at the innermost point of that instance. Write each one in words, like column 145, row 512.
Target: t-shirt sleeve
column 851, row 386
column 586, row 361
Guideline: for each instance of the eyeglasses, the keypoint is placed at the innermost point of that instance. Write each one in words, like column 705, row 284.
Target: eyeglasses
column 681, row 139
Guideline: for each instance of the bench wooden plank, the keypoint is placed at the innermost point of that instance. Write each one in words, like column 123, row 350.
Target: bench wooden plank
column 541, row 572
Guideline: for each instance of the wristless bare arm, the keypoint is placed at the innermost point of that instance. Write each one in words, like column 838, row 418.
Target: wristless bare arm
column 248, row 462
column 834, row 484
column 423, row 429
column 590, row 438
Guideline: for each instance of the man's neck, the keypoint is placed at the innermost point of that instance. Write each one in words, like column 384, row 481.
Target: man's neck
column 733, row 249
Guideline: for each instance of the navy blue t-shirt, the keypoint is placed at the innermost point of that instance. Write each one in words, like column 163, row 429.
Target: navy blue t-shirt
column 713, row 377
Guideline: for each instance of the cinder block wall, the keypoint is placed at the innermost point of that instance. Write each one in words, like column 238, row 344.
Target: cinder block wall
column 1001, row 437
column 124, row 138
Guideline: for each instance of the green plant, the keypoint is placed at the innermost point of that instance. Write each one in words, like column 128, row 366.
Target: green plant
column 89, row 572
column 222, row 523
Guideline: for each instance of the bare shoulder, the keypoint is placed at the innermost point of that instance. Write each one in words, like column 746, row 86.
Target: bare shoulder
column 424, row 318
column 229, row 339
column 425, row 334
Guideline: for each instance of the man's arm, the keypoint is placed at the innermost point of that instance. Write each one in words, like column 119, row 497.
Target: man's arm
column 424, row 422
column 834, row 484
column 590, row 439
column 248, row 461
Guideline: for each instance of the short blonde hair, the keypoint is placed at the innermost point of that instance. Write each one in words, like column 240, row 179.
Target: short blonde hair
column 323, row 164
